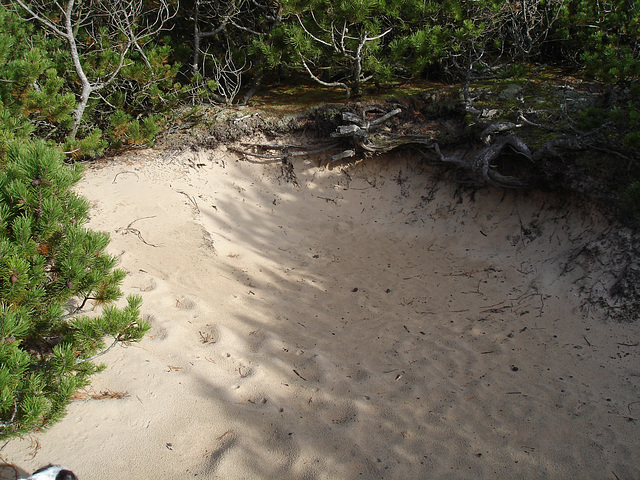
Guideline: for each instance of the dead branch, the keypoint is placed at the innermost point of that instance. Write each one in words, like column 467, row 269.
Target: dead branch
column 482, row 161
column 308, row 150
column 136, row 232
column 103, row 395
column 128, row 26
column 350, row 48
column 321, row 82
column 226, row 75
column 367, row 137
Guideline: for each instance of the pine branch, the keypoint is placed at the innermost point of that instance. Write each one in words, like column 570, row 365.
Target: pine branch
column 79, row 361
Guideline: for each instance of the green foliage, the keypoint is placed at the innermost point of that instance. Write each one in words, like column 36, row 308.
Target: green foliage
column 148, row 86
column 272, row 48
column 622, row 120
column 342, row 40
column 603, row 37
column 40, row 86
column 12, row 127
column 50, row 267
column 91, row 145
column 124, row 130
column 31, row 91
column 422, row 49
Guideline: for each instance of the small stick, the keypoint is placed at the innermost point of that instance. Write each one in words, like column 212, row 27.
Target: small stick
column 495, row 305
column 286, row 154
column 191, row 199
column 103, row 395
column 414, row 276
column 115, row 178
column 299, row 375
column 137, row 232
column 327, row 199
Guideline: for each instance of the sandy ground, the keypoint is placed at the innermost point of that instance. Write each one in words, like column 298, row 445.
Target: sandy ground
column 360, row 322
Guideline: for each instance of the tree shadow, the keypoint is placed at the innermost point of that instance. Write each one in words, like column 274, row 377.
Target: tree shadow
column 351, row 303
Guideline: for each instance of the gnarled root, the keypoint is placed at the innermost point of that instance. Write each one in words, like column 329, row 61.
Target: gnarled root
column 481, row 163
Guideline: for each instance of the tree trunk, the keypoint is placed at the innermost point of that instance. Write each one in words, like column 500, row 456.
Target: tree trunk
column 75, row 57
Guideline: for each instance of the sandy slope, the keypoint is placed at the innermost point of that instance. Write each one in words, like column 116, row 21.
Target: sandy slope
column 369, row 323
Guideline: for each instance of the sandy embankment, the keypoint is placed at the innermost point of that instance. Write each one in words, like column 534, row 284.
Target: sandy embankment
column 368, row 324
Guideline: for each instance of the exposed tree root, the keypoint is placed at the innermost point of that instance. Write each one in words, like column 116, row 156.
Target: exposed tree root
column 302, row 150
column 367, row 136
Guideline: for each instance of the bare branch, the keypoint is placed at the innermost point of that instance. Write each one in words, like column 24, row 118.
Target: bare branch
column 88, row 359
column 124, row 18
column 226, row 74
column 243, row 28
column 319, row 40
column 339, row 40
column 311, row 150
column 42, row 19
column 368, row 39
column 482, row 161
column 326, row 84
column 385, row 117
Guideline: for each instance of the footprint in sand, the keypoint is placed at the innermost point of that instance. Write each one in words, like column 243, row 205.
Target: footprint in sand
column 184, row 303
column 157, row 332
column 245, row 371
column 343, row 413
column 223, row 444
column 209, row 335
column 335, row 411
column 282, row 446
column 235, row 368
column 254, row 398
column 147, row 285
column 208, row 242
column 256, row 340
column 359, row 375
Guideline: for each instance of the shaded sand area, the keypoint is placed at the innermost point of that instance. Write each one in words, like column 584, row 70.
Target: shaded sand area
column 368, row 321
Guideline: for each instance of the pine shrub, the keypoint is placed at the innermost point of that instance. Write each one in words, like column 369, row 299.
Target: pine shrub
column 58, row 288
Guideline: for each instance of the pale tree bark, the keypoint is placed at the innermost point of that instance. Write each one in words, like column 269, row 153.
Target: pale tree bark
column 227, row 75
column 125, row 20
column 528, row 22
column 351, row 48
column 221, row 20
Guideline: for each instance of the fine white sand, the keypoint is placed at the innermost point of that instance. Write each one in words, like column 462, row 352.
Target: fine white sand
column 371, row 321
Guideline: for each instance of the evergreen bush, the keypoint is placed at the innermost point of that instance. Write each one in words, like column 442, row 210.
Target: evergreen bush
column 52, row 269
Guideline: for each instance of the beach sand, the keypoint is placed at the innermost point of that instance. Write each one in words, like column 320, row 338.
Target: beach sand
column 366, row 321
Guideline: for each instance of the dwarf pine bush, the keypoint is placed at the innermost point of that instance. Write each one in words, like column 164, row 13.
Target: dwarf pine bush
column 52, row 270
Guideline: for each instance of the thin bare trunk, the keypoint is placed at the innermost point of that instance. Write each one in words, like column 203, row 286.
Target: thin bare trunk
column 122, row 17
column 84, row 81
column 338, row 39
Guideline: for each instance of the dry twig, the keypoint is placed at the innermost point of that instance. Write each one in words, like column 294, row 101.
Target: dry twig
column 103, row 395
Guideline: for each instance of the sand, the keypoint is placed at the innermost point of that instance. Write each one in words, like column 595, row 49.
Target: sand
column 366, row 321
